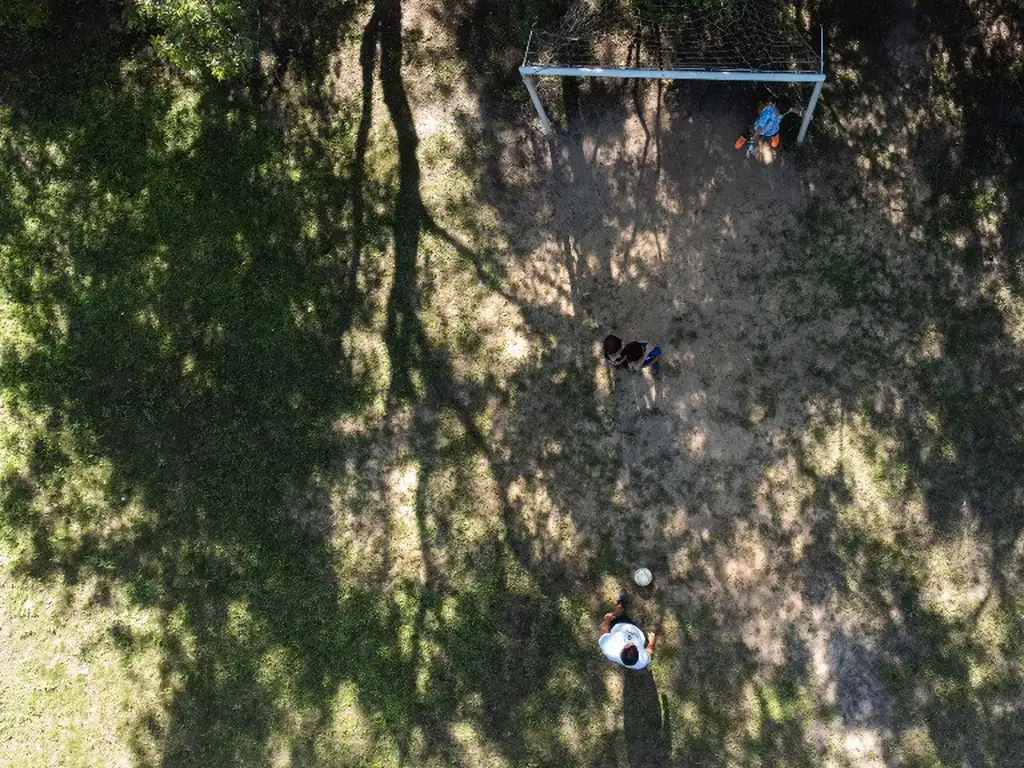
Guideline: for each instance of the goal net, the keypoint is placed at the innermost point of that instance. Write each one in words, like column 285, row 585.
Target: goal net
column 739, row 40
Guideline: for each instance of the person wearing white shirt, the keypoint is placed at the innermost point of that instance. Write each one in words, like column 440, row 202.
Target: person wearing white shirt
column 622, row 639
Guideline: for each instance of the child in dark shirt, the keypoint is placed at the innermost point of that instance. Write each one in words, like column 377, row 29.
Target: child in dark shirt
column 613, row 347
column 641, row 354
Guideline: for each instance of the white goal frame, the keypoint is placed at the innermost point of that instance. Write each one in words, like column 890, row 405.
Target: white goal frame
column 530, row 71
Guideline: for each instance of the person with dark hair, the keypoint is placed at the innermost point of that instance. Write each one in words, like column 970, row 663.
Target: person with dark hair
column 623, row 639
column 613, row 347
column 640, row 354
column 768, row 123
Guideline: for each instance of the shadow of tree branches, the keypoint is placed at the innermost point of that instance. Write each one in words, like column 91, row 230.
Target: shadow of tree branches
column 190, row 284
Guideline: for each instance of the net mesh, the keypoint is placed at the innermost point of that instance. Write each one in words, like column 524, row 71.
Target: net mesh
column 707, row 35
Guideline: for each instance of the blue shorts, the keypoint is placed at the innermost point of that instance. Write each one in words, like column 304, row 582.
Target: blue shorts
column 651, row 357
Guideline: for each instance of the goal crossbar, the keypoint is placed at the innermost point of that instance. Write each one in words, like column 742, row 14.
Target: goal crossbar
column 674, row 74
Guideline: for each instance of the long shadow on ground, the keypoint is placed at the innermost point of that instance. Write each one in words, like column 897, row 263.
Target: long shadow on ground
column 186, row 335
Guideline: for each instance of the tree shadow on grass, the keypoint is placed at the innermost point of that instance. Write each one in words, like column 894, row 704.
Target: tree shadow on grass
column 188, row 290
column 948, row 426
column 180, row 289
column 496, row 649
column 727, row 705
column 927, row 386
column 74, row 45
column 183, row 304
column 941, row 431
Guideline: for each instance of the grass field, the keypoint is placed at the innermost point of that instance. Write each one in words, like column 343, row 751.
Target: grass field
column 307, row 456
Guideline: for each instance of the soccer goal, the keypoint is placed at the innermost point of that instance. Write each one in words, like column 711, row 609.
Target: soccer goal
column 735, row 40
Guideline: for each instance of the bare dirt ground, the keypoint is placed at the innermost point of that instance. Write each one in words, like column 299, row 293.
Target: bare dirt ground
column 654, row 227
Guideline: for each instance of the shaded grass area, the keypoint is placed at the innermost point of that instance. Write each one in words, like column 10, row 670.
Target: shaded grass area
column 942, row 435
column 926, row 257
column 173, row 275
column 242, row 444
column 187, row 275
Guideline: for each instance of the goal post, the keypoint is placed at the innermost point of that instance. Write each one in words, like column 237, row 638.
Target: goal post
column 589, row 44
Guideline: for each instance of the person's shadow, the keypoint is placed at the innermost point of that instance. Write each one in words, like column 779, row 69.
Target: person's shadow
column 645, row 721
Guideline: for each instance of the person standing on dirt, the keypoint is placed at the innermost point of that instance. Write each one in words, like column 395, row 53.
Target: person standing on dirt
column 641, row 354
column 768, row 123
column 623, row 640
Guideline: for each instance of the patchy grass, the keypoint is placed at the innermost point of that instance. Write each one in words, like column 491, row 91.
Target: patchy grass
column 306, row 459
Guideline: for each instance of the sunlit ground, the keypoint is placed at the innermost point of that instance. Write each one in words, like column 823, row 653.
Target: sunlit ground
column 276, row 493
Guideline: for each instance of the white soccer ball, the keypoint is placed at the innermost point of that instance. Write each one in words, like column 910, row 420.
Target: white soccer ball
column 642, row 577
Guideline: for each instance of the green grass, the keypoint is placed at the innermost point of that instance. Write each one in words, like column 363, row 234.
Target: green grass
column 279, row 484
column 180, row 337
